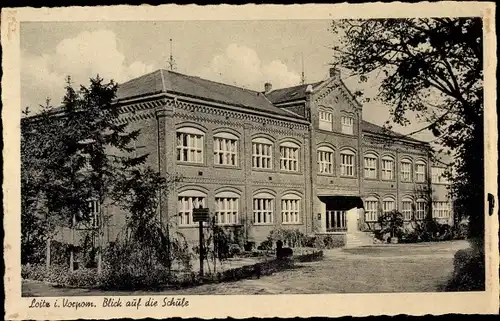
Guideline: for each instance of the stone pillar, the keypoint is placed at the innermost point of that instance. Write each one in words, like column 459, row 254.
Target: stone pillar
column 322, row 221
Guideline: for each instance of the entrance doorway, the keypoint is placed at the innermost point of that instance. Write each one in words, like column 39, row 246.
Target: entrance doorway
column 336, row 221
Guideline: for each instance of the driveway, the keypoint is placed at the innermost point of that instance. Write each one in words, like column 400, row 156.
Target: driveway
column 423, row 267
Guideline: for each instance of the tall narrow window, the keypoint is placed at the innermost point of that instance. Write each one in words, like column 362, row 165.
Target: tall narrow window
column 387, row 168
column 190, row 145
column 262, row 151
column 388, row 204
column 347, row 163
column 420, row 210
column 405, row 171
column 420, row 172
column 186, row 201
column 94, row 211
column 325, row 160
column 227, row 208
column 406, row 209
column 325, row 119
column 347, row 125
column 225, row 149
column 371, row 209
column 290, row 209
column 370, row 166
column 263, row 205
column 289, row 157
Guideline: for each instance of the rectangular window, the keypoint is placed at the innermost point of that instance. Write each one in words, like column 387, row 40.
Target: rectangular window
column 189, row 148
column 262, row 155
column 289, row 158
column 290, row 211
column 406, row 210
column 347, row 125
column 226, row 210
column 225, row 151
column 420, row 210
column 388, row 206
column 371, row 211
column 370, row 167
column 185, row 205
column 441, row 209
column 262, row 211
column 325, row 120
column 346, row 164
column 405, row 172
column 438, row 175
column 387, row 169
column 420, row 173
column 325, row 162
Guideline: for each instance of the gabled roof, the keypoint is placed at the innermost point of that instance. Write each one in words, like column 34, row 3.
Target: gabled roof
column 290, row 93
column 167, row 81
column 375, row 129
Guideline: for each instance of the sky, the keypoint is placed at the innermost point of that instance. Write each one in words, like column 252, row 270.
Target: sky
column 242, row 53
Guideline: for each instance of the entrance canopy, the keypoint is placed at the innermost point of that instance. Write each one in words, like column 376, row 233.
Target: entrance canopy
column 341, row 203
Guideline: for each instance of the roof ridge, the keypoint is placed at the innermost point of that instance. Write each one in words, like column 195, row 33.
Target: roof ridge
column 216, row 82
column 296, row 86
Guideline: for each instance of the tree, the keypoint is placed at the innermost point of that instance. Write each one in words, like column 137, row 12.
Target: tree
column 79, row 152
column 431, row 69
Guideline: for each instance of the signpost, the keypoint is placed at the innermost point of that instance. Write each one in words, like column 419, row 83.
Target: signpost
column 201, row 215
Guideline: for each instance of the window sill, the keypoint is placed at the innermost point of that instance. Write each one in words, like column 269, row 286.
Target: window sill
column 263, row 224
column 298, row 223
column 326, row 174
column 290, row 172
column 226, row 166
column 265, row 170
column 388, row 180
column 347, row 176
column 191, row 164
column 371, row 179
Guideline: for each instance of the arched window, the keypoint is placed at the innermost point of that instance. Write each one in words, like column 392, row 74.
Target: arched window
column 325, row 119
column 420, row 172
column 347, row 163
column 289, row 157
column 186, row 201
column 190, row 145
column 263, row 205
column 325, row 160
column 406, row 208
column 290, row 209
column 371, row 209
column 370, row 161
column 406, row 170
column 420, row 209
column 388, row 204
column 225, row 149
column 227, row 206
column 387, row 168
column 262, row 153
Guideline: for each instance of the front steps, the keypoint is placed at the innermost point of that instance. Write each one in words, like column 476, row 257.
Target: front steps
column 356, row 239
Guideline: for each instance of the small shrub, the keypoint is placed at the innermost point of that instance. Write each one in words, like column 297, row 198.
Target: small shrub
column 469, row 272
column 319, row 243
column 234, row 250
column 266, row 245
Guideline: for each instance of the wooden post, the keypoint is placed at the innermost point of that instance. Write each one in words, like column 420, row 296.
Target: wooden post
column 201, row 247
column 71, row 253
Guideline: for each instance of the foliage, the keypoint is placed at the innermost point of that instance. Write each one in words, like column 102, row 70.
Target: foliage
column 391, row 222
column 469, row 272
column 431, row 68
column 290, row 237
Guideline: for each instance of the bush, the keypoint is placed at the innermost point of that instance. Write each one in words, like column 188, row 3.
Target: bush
column 469, row 272
column 234, row 250
column 266, row 245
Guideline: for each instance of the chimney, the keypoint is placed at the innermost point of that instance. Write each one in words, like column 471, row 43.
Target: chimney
column 267, row 87
column 334, row 72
